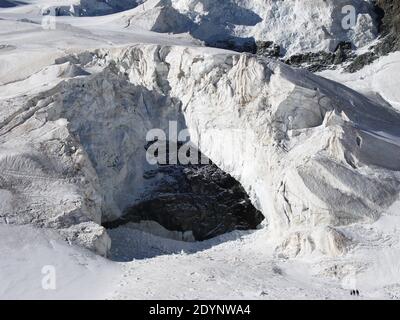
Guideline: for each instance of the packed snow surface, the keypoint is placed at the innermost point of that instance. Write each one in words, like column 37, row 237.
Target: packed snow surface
column 320, row 160
column 379, row 80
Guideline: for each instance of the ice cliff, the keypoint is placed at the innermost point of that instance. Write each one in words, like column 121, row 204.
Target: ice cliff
column 312, row 154
column 297, row 26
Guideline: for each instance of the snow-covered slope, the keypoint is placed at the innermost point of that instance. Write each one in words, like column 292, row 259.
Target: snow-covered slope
column 37, row 264
column 379, row 80
column 74, row 7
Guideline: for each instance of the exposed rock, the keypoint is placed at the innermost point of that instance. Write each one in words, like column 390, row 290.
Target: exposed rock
column 197, row 198
column 247, row 45
column 391, row 19
column 268, row 49
column 389, row 28
column 389, row 13
column 361, row 61
column 322, row 60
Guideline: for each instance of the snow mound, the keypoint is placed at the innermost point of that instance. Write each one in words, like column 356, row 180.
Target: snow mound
column 30, row 257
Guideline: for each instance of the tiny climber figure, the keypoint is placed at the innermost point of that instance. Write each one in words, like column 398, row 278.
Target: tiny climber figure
column 355, row 293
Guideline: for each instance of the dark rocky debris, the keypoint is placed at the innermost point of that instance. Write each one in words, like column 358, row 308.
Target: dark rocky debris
column 322, row 60
column 268, row 49
column 388, row 12
column 198, row 198
column 250, row 45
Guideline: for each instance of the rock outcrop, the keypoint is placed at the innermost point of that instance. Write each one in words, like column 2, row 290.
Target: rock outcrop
column 319, row 61
column 388, row 12
column 199, row 199
column 391, row 18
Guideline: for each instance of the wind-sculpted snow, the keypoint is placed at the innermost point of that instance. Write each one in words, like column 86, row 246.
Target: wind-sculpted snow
column 313, row 155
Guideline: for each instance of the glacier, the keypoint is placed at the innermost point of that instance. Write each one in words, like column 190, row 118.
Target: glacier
column 317, row 154
column 312, row 154
column 296, row 26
